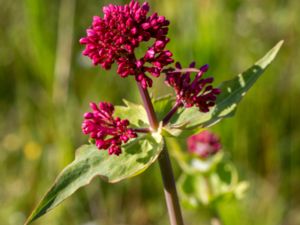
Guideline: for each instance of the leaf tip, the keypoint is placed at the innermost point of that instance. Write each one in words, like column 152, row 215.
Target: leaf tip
column 278, row 46
column 270, row 56
column 280, row 43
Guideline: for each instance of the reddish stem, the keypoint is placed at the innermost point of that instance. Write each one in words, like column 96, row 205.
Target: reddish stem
column 187, row 70
column 148, row 106
column 141, row 130
column 168, row 117
column 171, row 197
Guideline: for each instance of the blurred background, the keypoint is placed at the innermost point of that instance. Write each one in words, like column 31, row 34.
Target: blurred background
column 46, row 85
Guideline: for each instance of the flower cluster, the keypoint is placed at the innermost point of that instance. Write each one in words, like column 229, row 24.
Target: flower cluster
column 107, row 131
column 204, row 144
column 190, row 92
column 114, row 38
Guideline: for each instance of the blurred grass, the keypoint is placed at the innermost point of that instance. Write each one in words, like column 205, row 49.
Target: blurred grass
column 45, row 88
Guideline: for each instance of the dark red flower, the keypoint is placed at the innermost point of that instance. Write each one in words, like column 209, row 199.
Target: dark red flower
column 115, row 37
column 204, row 144
column 107, row 131
column 189, row 92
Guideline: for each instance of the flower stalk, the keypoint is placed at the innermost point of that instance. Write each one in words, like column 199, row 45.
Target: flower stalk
column 166, row 170
column 141, row 130
column 171, row 196
column 168, row 117
column 148, row 107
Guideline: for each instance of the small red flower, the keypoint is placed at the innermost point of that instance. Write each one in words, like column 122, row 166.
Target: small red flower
column 107, row 131
column 115, row 37
column 204, row 144
column 190, row 92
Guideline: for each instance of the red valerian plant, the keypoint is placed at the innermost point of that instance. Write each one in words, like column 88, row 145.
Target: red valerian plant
column 204, row 144
column 134, row 135
column 205, row 168
column 198, row 91
column 114, row 38
column 100, row 124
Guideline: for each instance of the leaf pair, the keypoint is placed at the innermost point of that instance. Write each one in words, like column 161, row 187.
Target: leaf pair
column 140, row 153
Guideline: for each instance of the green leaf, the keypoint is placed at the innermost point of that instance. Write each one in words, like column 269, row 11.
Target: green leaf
column 162, row 106
column 232, row 93
column 89, row 162
column 136, row 114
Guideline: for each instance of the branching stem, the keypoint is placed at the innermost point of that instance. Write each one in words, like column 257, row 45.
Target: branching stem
column 171, row 197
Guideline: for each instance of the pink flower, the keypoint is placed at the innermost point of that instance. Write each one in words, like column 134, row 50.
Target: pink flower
column 204, row 144
column 107, row 131
column 190, row 92
column 115, row 37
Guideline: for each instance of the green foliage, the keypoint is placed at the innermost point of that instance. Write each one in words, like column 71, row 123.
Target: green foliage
column 232, row 91
column 136, row 114
column 209, row 181
column 89, row 162
column 162, row 106
column 142, row 152
column 223, row 29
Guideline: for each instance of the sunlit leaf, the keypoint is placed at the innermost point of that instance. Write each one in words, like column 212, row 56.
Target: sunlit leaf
column 135, row 113
column 162, row 106
column 232, row 92
column 89, row 162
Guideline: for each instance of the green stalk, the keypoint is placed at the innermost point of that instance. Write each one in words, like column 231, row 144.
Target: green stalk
column 215, row 220
column 171, row 196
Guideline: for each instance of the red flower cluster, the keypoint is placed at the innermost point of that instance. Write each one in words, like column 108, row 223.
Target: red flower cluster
column 108, row 132
column 204, row 144
column 114, row 38
column 198, row 91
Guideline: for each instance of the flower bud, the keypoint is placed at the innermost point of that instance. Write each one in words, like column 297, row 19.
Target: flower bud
column 204, row 144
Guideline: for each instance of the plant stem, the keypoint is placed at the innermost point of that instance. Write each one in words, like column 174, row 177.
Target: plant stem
column 171, row 197
column 141, row 130
column 187, row 70
column 148, row 106
column 168, row 117
column 174, row 210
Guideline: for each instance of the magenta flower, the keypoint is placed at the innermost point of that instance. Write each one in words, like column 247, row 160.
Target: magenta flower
column 190, row 92
column 115, row 37
column 204, row 144
column 107, row 131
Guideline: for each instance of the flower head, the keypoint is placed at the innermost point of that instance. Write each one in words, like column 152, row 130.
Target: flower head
column 107, row 131
column 114, row 38
column 190, row 92
column 204, row 144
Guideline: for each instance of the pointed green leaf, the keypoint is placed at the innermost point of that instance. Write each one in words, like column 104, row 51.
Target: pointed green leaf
column 232, row 93
column 89, row 162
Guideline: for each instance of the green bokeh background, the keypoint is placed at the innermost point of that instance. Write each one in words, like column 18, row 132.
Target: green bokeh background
column 46, row 85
